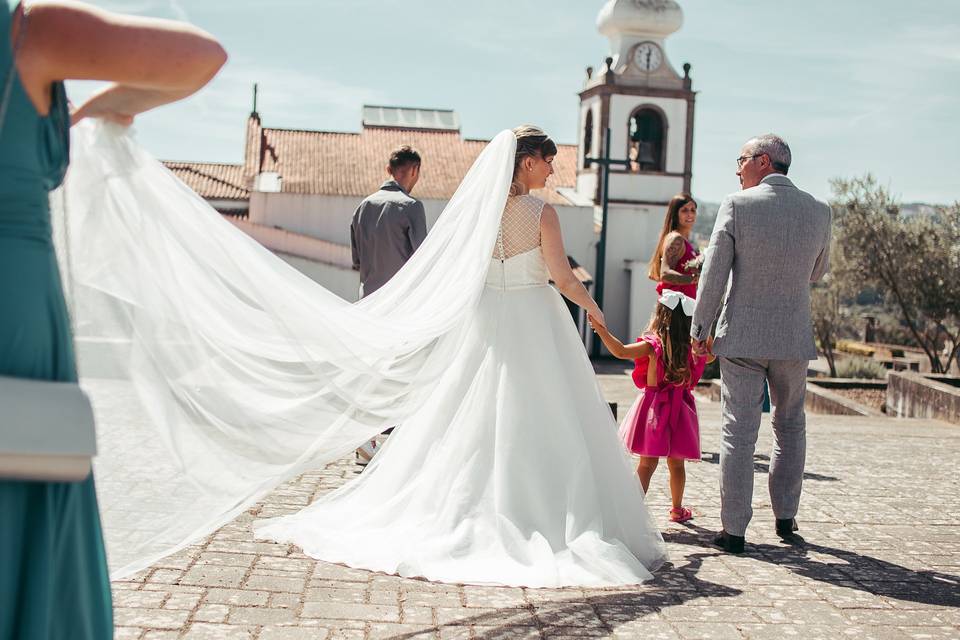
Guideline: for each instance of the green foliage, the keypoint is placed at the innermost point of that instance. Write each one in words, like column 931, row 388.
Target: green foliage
column 831, row 318
column 913, row 261
column 868, row 296
column 894, row 331
column 706, row 217
column 855, row 367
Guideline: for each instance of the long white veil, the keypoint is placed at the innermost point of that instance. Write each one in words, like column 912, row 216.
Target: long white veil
column 217, row 370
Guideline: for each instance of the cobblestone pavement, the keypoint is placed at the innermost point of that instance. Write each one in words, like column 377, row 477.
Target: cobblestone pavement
column 882, row 560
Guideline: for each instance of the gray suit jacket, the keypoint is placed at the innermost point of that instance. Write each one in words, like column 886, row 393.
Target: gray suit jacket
column 768, row 244
column 387, row 228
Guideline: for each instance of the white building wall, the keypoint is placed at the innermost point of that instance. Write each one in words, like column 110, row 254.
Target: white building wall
column 284, row 241
column 579, row 235
column 587, row 178
column 629, row 295
column 590, row 105
column 325, row 217
column 587, row 184
column 339, row 280
column 328, row 218
column 644, row 187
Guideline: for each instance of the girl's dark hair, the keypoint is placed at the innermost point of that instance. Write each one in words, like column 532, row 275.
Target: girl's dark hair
column 672, row 326
column 670, row 223
column 531, row 141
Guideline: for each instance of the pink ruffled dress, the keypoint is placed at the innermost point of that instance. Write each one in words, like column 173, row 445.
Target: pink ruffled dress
column 663, row 420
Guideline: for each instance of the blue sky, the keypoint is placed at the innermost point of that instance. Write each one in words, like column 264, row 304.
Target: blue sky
column 853, row 86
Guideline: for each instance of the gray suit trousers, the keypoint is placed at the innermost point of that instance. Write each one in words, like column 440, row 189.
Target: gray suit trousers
column 741, row 403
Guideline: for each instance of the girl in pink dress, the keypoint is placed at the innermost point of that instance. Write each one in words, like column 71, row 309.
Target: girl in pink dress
column 662, row 423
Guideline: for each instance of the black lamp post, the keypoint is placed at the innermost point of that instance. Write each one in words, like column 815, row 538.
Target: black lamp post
column 604, row 163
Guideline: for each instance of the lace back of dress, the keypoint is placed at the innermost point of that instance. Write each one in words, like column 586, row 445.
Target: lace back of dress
column 519, row 227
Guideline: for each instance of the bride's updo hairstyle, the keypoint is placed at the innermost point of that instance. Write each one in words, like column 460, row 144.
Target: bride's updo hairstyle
column 531, row 141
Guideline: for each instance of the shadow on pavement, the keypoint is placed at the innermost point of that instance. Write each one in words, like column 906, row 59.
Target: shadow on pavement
column 671, row 585
column 853, row 571
column 761, row 465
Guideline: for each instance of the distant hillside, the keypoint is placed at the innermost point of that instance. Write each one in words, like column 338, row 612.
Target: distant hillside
column 707, row 215
column 918, row 208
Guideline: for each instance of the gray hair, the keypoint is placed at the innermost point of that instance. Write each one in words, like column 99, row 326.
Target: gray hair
column 776, row 148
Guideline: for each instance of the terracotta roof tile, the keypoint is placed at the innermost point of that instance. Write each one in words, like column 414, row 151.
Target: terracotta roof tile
column 212, row 180
column 353, row 164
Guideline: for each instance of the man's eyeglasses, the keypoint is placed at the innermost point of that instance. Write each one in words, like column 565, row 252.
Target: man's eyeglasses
column 743, row 159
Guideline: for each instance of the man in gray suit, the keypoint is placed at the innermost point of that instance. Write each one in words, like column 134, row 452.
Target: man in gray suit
column 770, row 241
column 389, row 225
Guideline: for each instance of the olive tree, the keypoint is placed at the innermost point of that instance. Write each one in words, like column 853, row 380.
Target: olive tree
column 913, row 260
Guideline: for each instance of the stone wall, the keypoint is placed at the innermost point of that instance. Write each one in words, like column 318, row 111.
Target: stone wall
column 818, row 399
column 910, row 395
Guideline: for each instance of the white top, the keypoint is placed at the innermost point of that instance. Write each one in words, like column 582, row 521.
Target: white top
column 517, row 260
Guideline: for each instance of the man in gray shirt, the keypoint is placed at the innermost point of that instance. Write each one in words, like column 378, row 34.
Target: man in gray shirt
column 389, row 225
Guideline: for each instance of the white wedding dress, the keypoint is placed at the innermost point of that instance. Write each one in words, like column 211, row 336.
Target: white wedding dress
column 218, row 372
column 512, row 472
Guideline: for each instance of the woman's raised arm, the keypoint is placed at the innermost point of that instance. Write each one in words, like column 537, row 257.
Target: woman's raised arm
column 150, row 61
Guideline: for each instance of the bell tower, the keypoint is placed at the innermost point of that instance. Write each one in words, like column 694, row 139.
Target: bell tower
column 648, row 106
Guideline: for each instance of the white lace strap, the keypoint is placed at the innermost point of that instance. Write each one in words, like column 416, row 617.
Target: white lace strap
column 539, row 204
column 500, row 252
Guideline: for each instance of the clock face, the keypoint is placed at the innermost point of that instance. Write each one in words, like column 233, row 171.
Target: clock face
column 648, row 57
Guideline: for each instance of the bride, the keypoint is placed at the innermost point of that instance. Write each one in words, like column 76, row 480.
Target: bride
column 511, row 473
column 218, row 372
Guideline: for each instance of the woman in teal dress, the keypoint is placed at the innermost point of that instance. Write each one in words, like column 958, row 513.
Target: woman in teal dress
column 53, row 572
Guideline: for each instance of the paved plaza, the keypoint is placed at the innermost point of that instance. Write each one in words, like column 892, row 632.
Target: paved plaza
column 882, row 560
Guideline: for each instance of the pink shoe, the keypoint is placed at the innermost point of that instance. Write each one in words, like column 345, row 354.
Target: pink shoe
column 681, row 514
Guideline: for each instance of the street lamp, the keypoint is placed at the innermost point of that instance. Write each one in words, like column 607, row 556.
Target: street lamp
column 604, row 163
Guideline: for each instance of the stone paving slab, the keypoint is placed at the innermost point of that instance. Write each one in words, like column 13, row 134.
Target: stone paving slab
column 882, row 561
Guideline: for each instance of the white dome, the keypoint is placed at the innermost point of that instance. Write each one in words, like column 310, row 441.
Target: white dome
column 654, row 19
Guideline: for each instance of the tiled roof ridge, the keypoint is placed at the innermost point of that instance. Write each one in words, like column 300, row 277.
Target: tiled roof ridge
column 298, row 130
column 450, row 132
column 192, row 163
column 217, row 179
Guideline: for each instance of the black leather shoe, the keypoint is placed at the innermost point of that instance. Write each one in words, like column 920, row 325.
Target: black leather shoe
column 786, row 529
column 728, row 542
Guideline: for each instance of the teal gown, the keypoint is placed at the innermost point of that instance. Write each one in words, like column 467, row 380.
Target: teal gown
column 53, row 572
